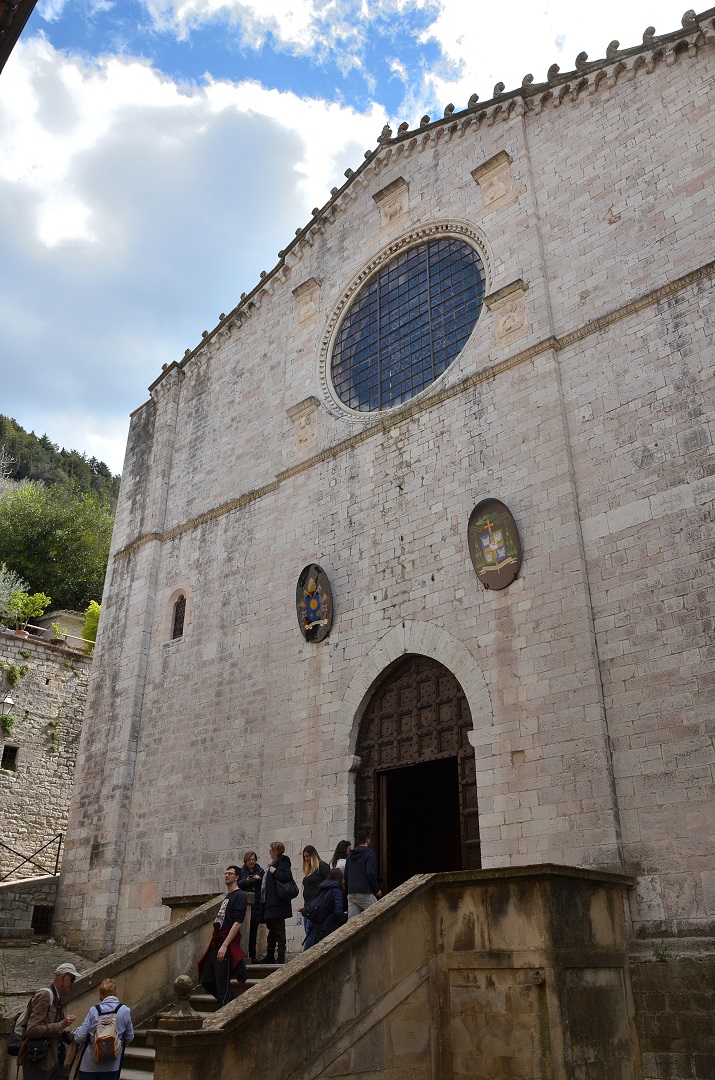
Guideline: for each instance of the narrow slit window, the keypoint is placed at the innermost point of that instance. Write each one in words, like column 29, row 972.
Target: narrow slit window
column 179, row 614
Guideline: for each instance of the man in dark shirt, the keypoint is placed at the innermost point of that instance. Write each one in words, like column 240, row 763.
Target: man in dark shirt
column 224, row 956
column 361, row 880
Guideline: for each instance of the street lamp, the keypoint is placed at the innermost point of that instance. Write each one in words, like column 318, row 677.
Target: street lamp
column 6, row 706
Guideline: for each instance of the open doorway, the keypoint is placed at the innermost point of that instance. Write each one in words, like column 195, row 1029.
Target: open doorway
column 420, row 827
column 417, row 774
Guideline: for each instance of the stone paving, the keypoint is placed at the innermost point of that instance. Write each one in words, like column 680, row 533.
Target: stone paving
column 28, row 966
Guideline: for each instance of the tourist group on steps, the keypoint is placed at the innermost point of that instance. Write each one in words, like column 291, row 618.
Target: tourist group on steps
column 332, row 894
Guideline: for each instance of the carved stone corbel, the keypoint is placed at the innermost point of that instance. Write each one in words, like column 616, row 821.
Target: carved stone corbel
column 305, row 425
column 508, row 306
column 308, row 296
column 392, row 201
column 495, row 181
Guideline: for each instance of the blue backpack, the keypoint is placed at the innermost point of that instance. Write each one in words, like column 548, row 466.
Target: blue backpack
column 319, row 909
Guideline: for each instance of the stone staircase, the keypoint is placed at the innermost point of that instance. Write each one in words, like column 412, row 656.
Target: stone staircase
column 512, row 971
column 138, row 1061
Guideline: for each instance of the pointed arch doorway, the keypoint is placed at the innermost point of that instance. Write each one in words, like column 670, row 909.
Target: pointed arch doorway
column 416, row 783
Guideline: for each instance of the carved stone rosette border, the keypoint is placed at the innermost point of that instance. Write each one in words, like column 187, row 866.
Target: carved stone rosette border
column 460, row 230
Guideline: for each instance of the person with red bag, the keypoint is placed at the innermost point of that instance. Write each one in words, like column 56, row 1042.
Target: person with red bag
column 224, row 957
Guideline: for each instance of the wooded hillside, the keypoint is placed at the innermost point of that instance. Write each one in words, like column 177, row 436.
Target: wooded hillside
column 36, row 458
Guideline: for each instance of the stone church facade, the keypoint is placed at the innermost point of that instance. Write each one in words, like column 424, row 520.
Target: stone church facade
column 567, row 718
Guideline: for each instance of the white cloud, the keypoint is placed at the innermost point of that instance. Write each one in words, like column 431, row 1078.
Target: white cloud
column 481, row 48
column 303, row 27
column 289, row 21
column 132, row 211
column 63, row 216
column 51, row 10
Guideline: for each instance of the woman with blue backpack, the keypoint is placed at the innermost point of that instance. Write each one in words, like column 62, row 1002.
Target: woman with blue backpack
column 326, row 910
column 105, row 1031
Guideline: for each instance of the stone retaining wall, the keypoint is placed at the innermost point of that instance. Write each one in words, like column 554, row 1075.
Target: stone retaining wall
column 674, row 992
column 18, row 899
column 49, row 692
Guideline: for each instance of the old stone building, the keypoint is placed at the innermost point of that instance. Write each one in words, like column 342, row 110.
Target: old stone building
column 44, row 690
column 510, row 303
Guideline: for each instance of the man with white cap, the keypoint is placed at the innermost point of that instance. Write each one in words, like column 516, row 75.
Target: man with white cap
column 42, row 1054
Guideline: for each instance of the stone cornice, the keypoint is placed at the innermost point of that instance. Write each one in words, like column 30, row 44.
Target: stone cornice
column 385, row 423
column 588, row 77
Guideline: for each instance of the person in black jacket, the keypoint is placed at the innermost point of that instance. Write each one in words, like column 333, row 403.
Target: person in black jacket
column 315, row 871
column 275, row 910
column 328, row 907
column 250, row 882
column 361, row 880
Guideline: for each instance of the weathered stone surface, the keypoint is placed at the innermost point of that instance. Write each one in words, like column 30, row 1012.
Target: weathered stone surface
column 18, row 898
column 558, row 1009
column 589, row 680
column 675, row 1000
column 49, row 695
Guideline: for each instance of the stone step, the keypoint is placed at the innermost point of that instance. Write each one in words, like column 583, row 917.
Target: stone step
column 260, row 971
column 138, row 1061
column 138, row 1058
column 138, row 1051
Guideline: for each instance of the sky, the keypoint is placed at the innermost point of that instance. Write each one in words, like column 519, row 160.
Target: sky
column 155, row 155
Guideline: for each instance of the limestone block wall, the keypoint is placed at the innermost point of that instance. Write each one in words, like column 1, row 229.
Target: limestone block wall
column 19, row 898
column 49, row 695
column 674, row 990
column 587, row 411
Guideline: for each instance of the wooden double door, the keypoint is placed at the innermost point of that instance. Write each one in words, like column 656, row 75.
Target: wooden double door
column 416, row 783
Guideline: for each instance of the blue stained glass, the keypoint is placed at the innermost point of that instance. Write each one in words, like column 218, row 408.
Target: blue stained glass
column 407, row 325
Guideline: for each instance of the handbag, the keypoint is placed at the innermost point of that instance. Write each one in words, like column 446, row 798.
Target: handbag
column 17, row 1041
column 287, row 890
column 36, row 1050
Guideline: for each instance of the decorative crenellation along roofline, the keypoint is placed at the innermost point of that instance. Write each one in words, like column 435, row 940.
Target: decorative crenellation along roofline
column 587, row 76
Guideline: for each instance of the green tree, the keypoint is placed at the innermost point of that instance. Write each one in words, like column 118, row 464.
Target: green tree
column 10, row 582
column 29, row 457
column 25, row 607
column 91, row 625
column 57, row 538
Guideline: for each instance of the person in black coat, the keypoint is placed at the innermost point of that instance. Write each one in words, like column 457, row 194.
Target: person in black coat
column 250, row 882
column 275, row 910
column 315, row 871
column 335, row 913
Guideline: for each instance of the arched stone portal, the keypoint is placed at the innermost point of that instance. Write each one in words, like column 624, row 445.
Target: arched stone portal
column 416, row 781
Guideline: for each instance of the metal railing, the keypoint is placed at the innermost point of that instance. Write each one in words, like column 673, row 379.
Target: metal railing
column 48, row 635
column 31, row 858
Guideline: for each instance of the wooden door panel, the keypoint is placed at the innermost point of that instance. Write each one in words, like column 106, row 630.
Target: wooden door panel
column 419, row 714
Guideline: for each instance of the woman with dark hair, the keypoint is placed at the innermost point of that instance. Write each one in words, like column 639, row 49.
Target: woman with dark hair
column 315, row 871
column 328, row 909
column 275, row 910
column 340, row 855
column 250, row 882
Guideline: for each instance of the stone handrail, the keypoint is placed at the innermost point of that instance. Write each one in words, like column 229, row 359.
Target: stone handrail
column 145, row 972
column 412, row 985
